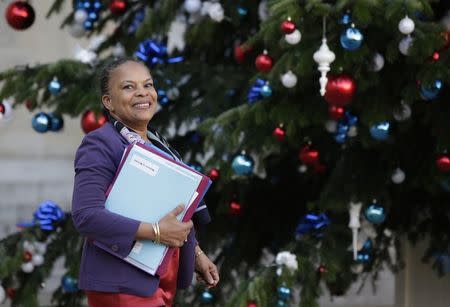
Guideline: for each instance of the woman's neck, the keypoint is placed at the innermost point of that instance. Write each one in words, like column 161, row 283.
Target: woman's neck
column 138, row 128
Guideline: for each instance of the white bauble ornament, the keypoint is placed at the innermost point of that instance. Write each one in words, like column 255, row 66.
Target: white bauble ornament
column 27, row 267
column 357, row 268
column 77, row 30
column 402, row 113
column 118, row 50
column 85, row 56
column 377, row 62
column 406, row 26
column 216, row 12
column 192, row 6
column 263, row 10
column 324, row 57
column 80, row 16
column 7, row 113
column 293, row 38
column 398, row 176
column 405, row 44
column 40, row 247
column 352, row 131
column 302, row 168
column 2, row 294
column 331, row 126
column 289, row 79
column 37, row 259
column 445, row 21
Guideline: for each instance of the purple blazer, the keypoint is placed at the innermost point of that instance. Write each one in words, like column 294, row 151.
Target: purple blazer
column 96, row 163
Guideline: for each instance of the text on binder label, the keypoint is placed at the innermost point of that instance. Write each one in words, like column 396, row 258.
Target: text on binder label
column 144, row 165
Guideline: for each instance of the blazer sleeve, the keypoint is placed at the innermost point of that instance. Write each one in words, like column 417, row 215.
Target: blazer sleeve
column 94, row 172
column 201, row 215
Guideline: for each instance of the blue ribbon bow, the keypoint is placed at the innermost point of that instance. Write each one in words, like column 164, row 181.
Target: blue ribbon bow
column 254, row 94
column 151, row 52
column 47, row 215
column 313, row 224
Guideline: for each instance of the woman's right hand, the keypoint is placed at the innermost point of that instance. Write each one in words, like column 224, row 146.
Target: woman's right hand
column 173, row 232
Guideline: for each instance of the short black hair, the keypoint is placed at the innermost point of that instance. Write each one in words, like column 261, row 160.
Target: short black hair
column 109, row 67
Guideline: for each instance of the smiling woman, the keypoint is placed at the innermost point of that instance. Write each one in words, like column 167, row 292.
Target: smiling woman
column 131, row 100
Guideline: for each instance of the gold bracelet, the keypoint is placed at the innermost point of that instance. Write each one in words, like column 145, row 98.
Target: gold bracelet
column 199, row 253
column 158, row 234
column 155, row 231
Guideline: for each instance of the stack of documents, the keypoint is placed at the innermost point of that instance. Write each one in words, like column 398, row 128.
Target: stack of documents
column 148, row 185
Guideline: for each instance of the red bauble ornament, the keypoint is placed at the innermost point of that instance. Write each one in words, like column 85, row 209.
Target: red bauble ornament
column 287, row 26
column 264, row 62
column 11, row 293
column 27, row 256
column 340, row 90
column 335, row 112
column 30, row 104
column 2, row 108
column 443, row 163
column 235, row 208
column 252, row 304
column 90, row 121
column 309, row 156
column 322, row 269
column 436, row 56
column 279, row 134
column 239, row 54
column 118, row 7
column 319, row 168
column 20, row 15
column 214, row 174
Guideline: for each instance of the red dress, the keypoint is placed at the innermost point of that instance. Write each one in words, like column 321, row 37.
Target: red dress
column 163, row 296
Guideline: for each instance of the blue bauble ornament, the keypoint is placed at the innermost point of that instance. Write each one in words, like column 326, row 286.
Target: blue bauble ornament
column 56, row 122
column 69, row 284
column 207, row 297
column 351, row 39
column 197, row 166
column 97, row 5
column 362, row 257
column 281, row 303
column 242, row 164
column 351, row 119
column 375, row 213
column 55, row 87
column 431, row 91
column 163, row 100
column 380, row 131
column 266, row 90
column 88, row 25
column 345, row 19
column 342, row 128
column 41, row 122
column 93, row 16
column 340, row 138
column 367, row 246
column 284, row 293
column 242, row 11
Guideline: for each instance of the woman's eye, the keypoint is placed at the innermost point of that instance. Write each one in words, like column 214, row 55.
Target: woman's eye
column 127, row 87
column 149, row 85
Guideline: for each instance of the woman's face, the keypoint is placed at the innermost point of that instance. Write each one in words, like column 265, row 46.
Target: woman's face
column 132, row 99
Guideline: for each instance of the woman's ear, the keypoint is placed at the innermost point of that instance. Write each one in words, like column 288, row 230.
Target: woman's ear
column 106, row 100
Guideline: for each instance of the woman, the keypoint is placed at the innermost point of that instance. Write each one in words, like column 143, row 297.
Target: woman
column 131, row 100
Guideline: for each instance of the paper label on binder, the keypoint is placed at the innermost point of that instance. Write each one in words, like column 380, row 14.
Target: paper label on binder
column 144, row 165
column 137, row 247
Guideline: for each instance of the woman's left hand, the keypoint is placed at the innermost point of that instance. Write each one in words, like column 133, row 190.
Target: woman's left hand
column 206, row 270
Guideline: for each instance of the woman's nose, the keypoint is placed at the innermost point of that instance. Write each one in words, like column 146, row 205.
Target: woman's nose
column 142, row 91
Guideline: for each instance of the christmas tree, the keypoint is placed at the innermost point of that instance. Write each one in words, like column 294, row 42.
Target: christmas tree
column 322, row 123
